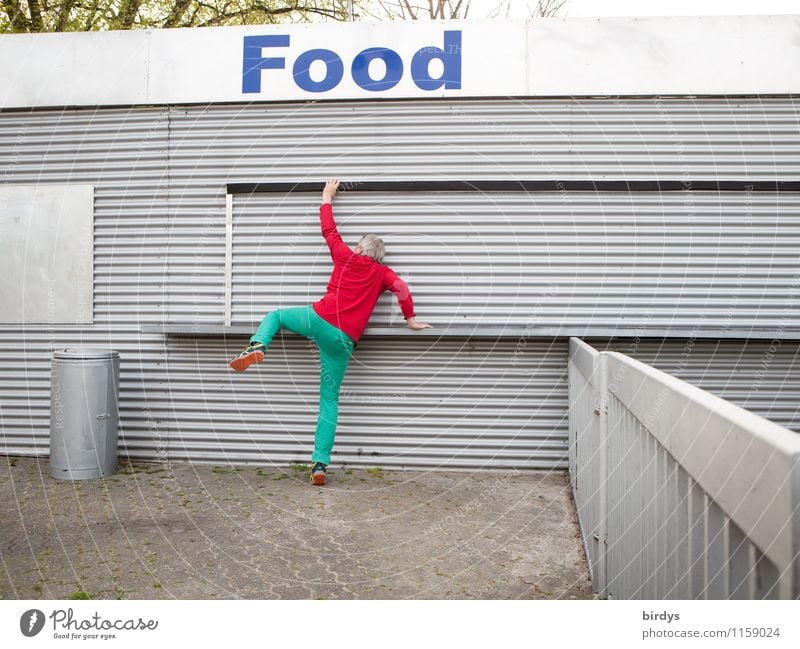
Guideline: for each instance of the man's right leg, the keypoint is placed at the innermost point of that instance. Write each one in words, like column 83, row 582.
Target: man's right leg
column 297, row 319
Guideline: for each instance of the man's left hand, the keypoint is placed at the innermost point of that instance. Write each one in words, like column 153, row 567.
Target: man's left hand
column 330, row 190
column 412, row 323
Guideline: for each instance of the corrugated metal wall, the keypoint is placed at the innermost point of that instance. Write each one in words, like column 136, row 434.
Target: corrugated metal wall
column 405, row 402
column 123, row 153
column 576, row 259
column 579, row 258
column 667, row 259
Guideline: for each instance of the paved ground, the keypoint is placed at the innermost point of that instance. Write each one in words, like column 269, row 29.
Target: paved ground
column 195, row 531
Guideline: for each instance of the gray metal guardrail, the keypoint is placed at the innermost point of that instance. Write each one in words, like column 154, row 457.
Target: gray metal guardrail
column 680, row 494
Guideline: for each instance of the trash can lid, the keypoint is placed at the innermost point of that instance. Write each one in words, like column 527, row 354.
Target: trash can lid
column 85, row 353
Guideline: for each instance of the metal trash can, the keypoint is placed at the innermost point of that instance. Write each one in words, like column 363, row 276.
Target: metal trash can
column 84, row 413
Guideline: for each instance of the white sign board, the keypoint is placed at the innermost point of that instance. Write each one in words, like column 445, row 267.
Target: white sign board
column 373, row 60
column 669, row 55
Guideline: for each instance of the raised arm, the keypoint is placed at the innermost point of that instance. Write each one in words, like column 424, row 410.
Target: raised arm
column 397, row 286
column 340, row 251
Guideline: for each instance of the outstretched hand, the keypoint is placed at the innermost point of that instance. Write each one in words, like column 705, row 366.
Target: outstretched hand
column 412, row 323
column 330, row 190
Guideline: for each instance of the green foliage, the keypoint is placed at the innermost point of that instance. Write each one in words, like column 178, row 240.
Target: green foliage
column 25, row 16
column 79, row 594
column 224, row 470
column 98, row 15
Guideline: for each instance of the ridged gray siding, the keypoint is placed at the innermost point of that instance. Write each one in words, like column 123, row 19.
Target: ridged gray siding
column 123, row 153
column 585, row 258
column 599, row 260
column 404, row 402
column 616, row 259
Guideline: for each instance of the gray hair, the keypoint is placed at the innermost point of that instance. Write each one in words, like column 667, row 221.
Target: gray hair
column 372, row 246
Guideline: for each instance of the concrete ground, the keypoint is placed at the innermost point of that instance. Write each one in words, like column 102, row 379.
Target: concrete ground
column 198, row 531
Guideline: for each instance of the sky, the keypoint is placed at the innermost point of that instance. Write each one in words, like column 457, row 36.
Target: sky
column 582, row 8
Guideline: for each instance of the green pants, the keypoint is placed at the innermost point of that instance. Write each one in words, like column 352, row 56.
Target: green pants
column 335, row 348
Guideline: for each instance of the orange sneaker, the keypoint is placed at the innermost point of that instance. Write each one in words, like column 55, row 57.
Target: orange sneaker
column 318, row 474
column 254, row 353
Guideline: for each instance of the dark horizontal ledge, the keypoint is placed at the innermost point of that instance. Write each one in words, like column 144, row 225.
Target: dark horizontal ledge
column 489, row 331
column 775, row 186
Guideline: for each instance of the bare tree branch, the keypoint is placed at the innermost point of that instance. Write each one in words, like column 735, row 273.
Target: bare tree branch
column 223, row 18
column 549, row 8
column 410, row 11
column 454, row 11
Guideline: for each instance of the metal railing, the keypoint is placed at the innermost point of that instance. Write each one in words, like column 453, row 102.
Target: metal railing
column 680, row 494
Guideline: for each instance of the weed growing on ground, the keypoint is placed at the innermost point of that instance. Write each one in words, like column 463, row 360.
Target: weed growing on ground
column 79, row 594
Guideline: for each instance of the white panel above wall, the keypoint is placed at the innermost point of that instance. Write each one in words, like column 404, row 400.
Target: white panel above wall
column 688, row 55
column 664, row 55
column 74, row 69
column 46, row 254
